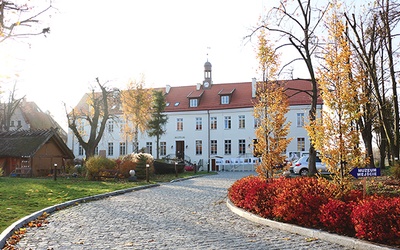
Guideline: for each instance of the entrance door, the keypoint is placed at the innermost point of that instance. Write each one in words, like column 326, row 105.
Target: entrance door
column 213, row 165
column 180, row 149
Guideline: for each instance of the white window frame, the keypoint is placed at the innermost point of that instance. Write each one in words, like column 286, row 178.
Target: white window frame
column 227, row 122
column 242, row 121
column 225, row 99
column 300, row 119
column 179, row 124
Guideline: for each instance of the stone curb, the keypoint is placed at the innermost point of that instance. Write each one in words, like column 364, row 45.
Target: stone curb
column 312, row 233
column 188, row 178
column 9, row 231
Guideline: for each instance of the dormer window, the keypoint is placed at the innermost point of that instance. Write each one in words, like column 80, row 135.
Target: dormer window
column 226, row 95
column 194, row 98
column 225, row 99
column 193, row 103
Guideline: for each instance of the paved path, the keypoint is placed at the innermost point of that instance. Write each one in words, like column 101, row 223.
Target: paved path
column 190, row 214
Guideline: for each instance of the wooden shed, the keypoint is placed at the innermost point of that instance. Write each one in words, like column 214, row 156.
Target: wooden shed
column 33, row 153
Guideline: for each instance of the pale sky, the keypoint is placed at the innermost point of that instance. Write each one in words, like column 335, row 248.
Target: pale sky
column 119, row 40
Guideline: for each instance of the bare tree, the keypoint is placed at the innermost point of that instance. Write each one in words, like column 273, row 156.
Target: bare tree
column 95, row 114
column 19, row 19
column 372, row 39
column 8, row 109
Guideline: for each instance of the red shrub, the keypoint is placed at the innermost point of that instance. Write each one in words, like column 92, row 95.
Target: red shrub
column 260, row 197
column 298, row 200
column 377, row 219
column 335, row 216
column 239, row 189
column 353, row 196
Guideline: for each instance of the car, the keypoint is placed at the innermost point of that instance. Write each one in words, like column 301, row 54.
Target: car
column 300, row 166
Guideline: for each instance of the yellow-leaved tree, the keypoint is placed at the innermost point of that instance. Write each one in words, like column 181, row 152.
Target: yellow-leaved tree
column 335, row 134
column 136, row 106
column 270, row 109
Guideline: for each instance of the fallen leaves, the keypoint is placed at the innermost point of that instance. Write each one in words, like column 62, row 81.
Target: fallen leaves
column 19, row 233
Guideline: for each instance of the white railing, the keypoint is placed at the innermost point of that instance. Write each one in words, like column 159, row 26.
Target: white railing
column 236, row 164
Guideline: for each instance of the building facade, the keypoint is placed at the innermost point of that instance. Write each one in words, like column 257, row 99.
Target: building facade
column 208, row 121
column 28, row 116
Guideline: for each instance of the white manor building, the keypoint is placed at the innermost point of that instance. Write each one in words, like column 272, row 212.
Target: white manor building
column 207, row 122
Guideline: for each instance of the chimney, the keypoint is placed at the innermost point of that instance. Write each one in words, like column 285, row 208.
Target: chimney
column 167, row 88
column 198, row 85
column 253, row 87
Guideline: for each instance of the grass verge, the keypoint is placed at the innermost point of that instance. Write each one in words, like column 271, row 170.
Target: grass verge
column 20, row 197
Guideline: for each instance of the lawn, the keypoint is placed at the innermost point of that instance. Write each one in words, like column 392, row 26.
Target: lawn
column 20, row 197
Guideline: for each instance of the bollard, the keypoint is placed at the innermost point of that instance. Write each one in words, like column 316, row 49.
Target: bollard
column 147, row 172
column 55, row 171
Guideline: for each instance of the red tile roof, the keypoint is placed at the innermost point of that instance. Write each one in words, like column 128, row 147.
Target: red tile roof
column 240, row 95
column 210, row 99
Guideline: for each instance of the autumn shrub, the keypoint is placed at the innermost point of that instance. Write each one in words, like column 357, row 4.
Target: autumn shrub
column 298, row 200
column 95, row 165
column 396, row 171
column 335, row 216
column 239, row 189
column 377, row 219
column 126, row 165
column 138, row 163
column 260, row 197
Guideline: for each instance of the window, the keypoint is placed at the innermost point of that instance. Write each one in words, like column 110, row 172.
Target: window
column 179, row 124
column 12, row 124
column 199, row 147
column 122, row 125
column 80, row 151
column 213, row 123
column 110, row 148
column 228, row 147
column 19, row 124
column 163, row 148
column 199, row 123
column 96, row 151
column 149, row 147
column 224, row 99
column 242, row 121
column 301, row 144
column 300, row 119
column 242, row 146
column 81, row 126
column 193, row 103
column 110, row 126
column 227, row 122
column 122, row 148
column 213, row 148
column 257, row 122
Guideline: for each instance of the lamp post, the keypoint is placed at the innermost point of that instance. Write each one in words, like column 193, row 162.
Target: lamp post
column 147, row 172
column 55, row 171
column 176, row 170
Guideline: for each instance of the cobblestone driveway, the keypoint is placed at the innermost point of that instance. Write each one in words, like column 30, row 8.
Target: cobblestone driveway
column 190, row 214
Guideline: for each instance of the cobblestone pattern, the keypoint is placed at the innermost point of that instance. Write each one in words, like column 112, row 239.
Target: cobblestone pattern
column 190, row 214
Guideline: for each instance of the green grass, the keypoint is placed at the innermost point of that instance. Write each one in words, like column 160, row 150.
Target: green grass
column 20, row 197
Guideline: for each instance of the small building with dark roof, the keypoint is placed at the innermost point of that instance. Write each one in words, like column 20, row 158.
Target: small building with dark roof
column 33, row 153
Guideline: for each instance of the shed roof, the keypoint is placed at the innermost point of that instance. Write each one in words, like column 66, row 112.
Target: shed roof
column 25, row 143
